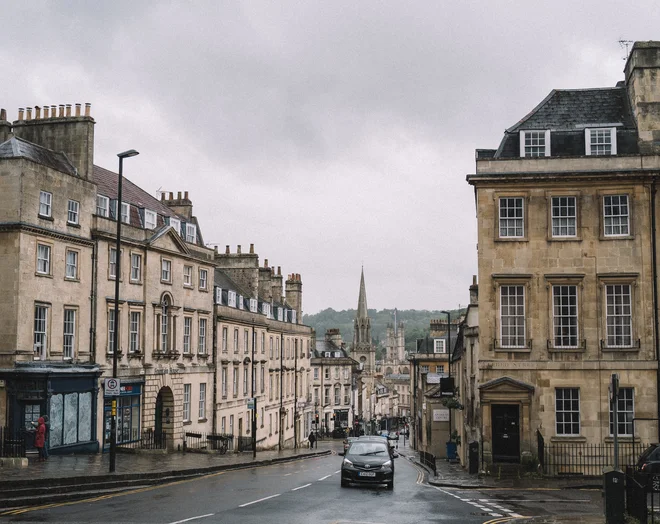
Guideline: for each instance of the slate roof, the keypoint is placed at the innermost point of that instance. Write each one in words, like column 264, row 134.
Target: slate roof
column 19, row 148
column 324, row 345
column 566, row 112
column 223, row 281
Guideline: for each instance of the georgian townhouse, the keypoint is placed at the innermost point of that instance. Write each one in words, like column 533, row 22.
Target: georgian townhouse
column 566, row 214
column 263, row 352
column 333, row 377
column 165, row 323
column 47, row 364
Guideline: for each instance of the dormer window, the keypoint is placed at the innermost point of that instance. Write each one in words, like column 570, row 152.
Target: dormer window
column 102, row 206
column 218, row 295
column 338, row 354
column 253, row 305
column 240, row 302
column 176, row 224
column 535, row 143
column 265, row 309
column 125, row 213
column 191, row 233
column 327, row 355
column 600, row 141
column 231, row 298
column 149, row 219
column 293, row 317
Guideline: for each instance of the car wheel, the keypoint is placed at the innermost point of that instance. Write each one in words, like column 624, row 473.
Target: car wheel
column 390, row 486
column 344, row 484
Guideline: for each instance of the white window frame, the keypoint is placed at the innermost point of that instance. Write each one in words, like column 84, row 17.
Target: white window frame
column 187, row 389
column 102, row 206
column 150, row 219
column 225, row 339
column 43, row 259
column 202, row 401
column 241, row 302
column 201, row 346
column 112, row 263
column 71, row 270
column 565, row 316
column 564, row 223
column 537, row 133
column 235, row 382
column 265, row 309
column 134, row 332
column 112, row 331
column 40, row 331
column 203, row 278
column 187, row 331
column 69, row 334
column 136, row 269
column 73, row 212
column 176, row 224
column 231, row 298
column 223, row 382
column 218, row 295
column 589, row 146
column 191, row 233
column 45, row 204
column 253, row 305
column 439, row 346
column 514, row 219
column 126, row 216
column 187, row 275
column 619, row 221
column 246, row 341
column 625, row 412
column 235, row 340
column 165, row 270
column 618, row 315
column 564, row 427
column 245, row 381
column 508, row 311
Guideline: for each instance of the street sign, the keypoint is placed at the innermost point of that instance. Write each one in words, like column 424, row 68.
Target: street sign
column 250, row 403
column 112, row 387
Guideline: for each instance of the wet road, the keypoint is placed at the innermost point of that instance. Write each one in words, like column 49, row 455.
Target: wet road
column 301, row 492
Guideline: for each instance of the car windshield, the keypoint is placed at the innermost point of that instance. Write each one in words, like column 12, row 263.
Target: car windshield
column 367, row 448
column 646, row 453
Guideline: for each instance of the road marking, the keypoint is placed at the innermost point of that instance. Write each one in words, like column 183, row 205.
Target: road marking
column 260, row 500
column 490, row 511
column 323, row 478
column 338, row 471
column 193, row 518
column 287, row 474
column 301, row 487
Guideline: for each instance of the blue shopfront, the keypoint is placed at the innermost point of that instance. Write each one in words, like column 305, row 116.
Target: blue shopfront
column 66, row 393
column 128, row 414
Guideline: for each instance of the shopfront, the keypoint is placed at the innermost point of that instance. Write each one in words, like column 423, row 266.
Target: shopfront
column 128, row 414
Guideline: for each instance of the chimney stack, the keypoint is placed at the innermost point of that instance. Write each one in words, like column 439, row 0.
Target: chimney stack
column 227, row 251
column 643, row 85
column 238, row 249
column 251, row 249
column 5, row 126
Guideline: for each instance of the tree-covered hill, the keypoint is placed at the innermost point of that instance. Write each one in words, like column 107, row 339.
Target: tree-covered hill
column 416, row 323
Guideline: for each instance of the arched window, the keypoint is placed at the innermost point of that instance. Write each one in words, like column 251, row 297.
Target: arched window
column 165, row 324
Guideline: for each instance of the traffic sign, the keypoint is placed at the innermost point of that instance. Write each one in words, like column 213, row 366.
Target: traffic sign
column 250, row 403
column 112, row 387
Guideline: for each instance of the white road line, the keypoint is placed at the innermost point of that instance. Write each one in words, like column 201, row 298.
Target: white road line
column 260, row 500
column 301, row 487
column 495, row 515
column 338, row 471
column 326, row 477
column 287, row 474
column 193, row 518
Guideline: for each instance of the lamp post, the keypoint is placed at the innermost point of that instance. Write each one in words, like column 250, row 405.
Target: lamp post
column 254, row 395
column 115, row 341
column 449, row 361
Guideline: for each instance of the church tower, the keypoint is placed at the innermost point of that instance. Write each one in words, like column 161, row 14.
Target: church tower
column 363, row 351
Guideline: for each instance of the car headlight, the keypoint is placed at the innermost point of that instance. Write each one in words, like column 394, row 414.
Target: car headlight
column 387, row 464
column 347, row 462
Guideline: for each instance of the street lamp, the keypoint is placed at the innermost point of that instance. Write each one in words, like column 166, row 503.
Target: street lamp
column 115, row 341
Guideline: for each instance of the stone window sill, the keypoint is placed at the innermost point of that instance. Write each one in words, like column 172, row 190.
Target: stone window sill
column 569, row 439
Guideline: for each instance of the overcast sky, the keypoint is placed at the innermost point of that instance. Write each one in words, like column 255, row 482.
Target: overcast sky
column 330, row 134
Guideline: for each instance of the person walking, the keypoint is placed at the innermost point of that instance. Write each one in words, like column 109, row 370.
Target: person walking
column 46, row 436
column 312, row 439
column 40, row 438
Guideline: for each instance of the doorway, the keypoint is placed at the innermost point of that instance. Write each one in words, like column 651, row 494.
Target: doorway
column 506, row 432
column 164, row 423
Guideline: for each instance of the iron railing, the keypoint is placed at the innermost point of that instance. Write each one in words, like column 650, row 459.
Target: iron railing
column 583, row 459
column 217, row 442
column 148, row 440
column 638, row 489
column 428, row 460
column 12, row 443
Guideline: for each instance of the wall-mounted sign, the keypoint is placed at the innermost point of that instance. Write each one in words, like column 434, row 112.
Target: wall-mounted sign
column 440, row 415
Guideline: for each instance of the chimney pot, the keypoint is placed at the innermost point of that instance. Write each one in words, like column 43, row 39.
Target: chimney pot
column 171, row 195
column 185, row 195
column 216, row 249
column 3, row 114
column 162, row 196
column 37, row 112
column 238, row 249
column 78, row 109
column 61, row 114
column 178, row 195
column 265, row 262
column 251, row 249
column 68, row 110
column 53, row 111
column 227, row 251
column 279, row 270
column 20, row 113
column 88, row 108
column 29, row 113
column 46, row 108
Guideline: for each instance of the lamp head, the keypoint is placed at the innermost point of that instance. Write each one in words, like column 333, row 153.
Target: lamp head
column 127, row 154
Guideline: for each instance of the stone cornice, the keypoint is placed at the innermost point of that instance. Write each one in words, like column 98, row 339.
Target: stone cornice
column 42, row 231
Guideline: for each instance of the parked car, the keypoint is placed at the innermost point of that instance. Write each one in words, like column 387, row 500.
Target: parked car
column 649, row 460
column 368, row 461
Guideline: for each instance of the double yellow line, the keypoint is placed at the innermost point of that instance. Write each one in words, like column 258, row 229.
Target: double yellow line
column 500, row 520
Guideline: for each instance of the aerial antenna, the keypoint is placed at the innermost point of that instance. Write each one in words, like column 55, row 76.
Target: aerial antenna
column 159, row 192
column 625, row 44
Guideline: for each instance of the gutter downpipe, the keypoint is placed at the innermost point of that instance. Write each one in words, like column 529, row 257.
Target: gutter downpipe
column 654, row 270
column 214, row 417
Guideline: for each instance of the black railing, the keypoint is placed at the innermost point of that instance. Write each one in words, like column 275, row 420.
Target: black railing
column 583, row 459
column 428, row 460
column 12, row 443
column 244, row 443
column 212, row 442
column 638, row 488
column 148, row 440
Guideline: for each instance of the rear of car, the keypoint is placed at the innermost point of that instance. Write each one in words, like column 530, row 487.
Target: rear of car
column 368, row 462
column 649, row 460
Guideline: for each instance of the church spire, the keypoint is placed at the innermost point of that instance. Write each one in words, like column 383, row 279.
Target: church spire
column 362, row 300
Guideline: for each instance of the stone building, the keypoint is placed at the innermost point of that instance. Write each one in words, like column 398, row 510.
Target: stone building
column 566, row 212
column 393, row 374
column 333, row 380
column 263, row 351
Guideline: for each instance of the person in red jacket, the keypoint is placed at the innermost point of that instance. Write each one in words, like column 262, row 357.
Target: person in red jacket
column 40, row 438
